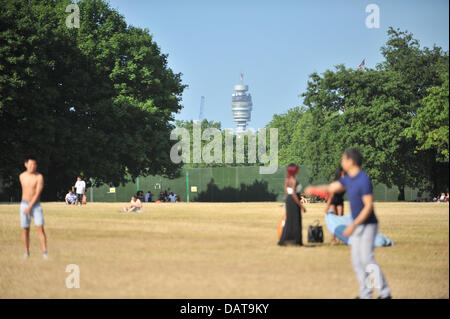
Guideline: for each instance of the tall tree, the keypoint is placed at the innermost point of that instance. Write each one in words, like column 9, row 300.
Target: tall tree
column 353, row 108
column 430, row 126
column 96, row 101
column 372, row 109
column 286, row 124
column 420, row 69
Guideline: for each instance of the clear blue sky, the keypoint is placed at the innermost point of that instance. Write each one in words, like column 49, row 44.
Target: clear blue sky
column 276, row 44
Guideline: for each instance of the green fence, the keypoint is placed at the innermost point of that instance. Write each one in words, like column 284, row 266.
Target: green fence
column 225, row 184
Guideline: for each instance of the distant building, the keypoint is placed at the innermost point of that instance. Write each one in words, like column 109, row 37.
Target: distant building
column 241, row 106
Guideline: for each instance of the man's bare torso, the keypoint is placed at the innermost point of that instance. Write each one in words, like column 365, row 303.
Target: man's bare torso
column 30, row 182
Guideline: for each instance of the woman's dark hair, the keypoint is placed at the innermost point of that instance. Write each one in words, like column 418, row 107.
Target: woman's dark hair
column 355, row 155
column 291, row 170
column 337, row 173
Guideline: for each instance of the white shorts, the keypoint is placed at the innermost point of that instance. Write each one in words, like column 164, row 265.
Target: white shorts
column 36, row 212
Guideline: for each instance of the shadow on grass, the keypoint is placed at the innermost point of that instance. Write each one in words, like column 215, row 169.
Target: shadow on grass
column 256, row 192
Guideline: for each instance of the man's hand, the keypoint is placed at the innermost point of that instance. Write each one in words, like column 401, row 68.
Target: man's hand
column 27, row 210
column 349, row 230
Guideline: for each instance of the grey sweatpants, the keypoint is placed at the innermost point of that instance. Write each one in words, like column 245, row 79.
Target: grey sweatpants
column 364, row 264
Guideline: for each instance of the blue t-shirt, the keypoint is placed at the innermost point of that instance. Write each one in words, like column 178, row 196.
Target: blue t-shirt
column 356, row 188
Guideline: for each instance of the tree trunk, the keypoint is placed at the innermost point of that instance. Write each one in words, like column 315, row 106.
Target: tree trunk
column 439, row 178
column 50, row 185
column 401, row 193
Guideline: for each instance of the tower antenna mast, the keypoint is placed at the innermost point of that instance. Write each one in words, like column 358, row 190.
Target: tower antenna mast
column 202, row 106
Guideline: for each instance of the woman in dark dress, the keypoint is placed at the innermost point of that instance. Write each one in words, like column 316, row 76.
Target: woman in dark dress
column 292, row 230
column 336, row 200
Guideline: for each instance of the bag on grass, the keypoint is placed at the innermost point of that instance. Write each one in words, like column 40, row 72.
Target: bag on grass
column 315, row 233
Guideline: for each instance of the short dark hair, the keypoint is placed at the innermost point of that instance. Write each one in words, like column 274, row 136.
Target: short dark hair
column 29, row 157
column 355, row 155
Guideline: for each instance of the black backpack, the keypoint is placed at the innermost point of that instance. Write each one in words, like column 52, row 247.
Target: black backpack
column 315, row 233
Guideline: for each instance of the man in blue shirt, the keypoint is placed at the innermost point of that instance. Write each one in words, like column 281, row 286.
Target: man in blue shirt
column 147, row 196
column 365, row 224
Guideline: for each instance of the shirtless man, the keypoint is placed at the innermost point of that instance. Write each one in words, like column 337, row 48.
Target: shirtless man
column 135, row 206
column 32, row 184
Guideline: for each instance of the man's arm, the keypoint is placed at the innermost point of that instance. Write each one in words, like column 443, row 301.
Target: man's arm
column 37, row 193
column 335, row 187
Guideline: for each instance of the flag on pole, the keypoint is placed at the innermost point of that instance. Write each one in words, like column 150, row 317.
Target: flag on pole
column 362, row 64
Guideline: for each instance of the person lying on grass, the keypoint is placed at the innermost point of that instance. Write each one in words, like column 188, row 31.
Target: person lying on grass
column 135, row 205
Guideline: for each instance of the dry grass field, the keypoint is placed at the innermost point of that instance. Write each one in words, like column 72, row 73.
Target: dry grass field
column 214, row 250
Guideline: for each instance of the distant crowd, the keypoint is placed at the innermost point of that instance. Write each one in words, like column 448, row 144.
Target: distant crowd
column 77, row 196
column 139, row 198
column 443, row 198
column 164, row 197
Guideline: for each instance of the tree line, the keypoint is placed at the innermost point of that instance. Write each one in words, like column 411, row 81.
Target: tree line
column 98, row 100
column 396, row 114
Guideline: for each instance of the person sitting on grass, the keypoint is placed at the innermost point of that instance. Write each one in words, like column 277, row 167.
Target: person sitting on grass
column 148, row 197
column 172, row 197
column 303, row 199
column 135, row 205
column 71, row 198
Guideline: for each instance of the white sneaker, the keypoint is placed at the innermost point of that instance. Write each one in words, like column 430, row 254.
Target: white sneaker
column 45, row 255
column 26, row 255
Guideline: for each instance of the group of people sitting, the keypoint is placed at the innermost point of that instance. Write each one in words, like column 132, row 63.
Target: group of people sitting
column 139, row 198
column 166, row 196
column 443, row 198
column 311, row 199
